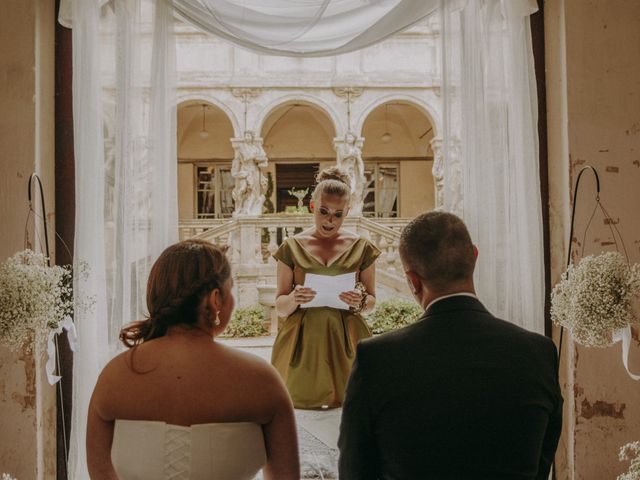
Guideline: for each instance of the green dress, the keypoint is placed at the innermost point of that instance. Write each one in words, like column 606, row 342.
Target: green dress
column 315, row 347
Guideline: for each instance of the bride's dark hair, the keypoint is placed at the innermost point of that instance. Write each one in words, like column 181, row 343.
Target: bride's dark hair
column 179, row 279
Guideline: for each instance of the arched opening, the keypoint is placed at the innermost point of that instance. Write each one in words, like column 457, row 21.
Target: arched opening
column 204, row 161
column 298, row 139
column 398, row 161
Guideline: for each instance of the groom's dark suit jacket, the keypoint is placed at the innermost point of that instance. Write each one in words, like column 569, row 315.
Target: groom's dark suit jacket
column 460, row 394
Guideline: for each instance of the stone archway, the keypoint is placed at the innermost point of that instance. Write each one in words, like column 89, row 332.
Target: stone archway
column 398, row 160
column 298, row 139
column 204, row 160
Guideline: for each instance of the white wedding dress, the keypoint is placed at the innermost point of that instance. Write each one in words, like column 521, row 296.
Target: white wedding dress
column 148, row 450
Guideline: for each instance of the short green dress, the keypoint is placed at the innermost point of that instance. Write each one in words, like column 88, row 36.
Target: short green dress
column 315, row 347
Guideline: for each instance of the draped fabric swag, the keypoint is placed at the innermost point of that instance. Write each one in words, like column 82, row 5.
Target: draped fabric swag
column 126, row 185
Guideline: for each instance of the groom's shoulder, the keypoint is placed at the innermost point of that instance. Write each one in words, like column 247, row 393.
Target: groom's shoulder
column 526, row 338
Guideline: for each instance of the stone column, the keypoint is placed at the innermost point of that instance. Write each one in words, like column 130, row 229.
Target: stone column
column 246, row 270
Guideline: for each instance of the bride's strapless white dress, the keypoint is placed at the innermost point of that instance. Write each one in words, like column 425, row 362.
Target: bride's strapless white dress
column 147, row 450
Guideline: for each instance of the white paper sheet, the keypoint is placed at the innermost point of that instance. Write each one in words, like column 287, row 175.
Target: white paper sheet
column 328, row 288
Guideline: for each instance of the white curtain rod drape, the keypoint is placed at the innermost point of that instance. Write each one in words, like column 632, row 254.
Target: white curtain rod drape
column 312, row 28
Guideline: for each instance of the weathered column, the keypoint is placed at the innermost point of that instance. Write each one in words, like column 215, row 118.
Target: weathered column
column 247, row 268
column 27, row 127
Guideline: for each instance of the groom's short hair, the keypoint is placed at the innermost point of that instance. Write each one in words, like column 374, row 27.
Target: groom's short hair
column 437, row 246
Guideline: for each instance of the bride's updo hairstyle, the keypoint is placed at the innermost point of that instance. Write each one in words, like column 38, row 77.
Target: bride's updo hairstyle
column 178, row 282
column 332, row 181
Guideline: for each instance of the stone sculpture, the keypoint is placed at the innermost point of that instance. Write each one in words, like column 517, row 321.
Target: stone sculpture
column 349, row 158
column 250, row 184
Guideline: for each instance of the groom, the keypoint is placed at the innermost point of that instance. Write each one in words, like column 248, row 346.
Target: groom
column 460, row 394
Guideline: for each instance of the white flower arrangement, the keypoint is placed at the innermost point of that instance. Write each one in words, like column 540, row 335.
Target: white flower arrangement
column 594, row 299
column 631, row 451
column 6, row 476
column 35, row 298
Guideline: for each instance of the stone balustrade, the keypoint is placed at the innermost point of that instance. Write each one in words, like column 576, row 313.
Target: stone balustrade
column 193, row 227
column 252, row 241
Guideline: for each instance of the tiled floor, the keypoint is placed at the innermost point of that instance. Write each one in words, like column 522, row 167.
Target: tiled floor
column 317, row 429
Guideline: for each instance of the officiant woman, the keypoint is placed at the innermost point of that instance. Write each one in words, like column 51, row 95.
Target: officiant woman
column 315, row 347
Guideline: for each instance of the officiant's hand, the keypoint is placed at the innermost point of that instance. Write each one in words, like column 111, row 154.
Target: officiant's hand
column 353, row 298
column 302, row 294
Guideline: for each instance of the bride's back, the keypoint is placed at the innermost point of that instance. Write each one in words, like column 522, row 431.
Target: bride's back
column 184, row 378
column 179, row 405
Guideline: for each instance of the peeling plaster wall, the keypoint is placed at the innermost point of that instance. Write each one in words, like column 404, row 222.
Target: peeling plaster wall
column 27, row 402
column 593, row 85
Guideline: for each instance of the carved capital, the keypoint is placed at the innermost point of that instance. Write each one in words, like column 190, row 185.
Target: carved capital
column 246, row 93
column 348, row 92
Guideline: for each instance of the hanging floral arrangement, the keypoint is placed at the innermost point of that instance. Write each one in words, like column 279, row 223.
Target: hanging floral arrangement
column 631, row 451
column 35, row 298
column 594, row 299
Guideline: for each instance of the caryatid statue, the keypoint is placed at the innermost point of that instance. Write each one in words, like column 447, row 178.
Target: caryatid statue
column 250, row 184
column 349, row 158
column 447, row 175
column 438, row 172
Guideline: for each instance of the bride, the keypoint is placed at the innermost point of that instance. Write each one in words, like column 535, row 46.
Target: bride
column 179, row 405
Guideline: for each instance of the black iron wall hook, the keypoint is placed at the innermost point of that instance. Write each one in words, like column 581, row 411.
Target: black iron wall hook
column 573, row 216
column 34, row 177
column 575, row 199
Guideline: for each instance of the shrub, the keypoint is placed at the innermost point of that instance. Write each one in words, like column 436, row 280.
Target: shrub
column 393, row 314
column 246, row 322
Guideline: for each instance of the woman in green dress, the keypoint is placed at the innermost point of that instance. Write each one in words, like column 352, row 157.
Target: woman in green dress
column 315, row 347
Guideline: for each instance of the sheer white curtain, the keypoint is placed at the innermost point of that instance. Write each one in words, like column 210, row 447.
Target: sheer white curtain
column 92, row 328
column 491, row 141
column 126, row 186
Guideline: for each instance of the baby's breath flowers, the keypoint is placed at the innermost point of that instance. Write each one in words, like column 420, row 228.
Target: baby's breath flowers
column 631, row 451
column 594, row 299
column 34, row 298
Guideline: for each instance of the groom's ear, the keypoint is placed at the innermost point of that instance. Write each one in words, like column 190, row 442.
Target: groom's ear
column 415, row 282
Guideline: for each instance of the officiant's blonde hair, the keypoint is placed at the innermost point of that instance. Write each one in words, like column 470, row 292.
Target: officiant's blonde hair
column 332, row 181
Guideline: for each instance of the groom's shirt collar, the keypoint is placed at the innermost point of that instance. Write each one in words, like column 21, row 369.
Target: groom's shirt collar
column 460, row 294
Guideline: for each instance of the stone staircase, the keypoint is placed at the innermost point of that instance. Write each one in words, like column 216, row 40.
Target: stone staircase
column 252, row 240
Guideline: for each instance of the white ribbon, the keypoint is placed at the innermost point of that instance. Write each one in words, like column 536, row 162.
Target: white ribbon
column 72, row 336
column 624, row 334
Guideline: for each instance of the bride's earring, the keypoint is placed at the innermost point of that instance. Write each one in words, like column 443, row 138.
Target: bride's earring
column 216, row 322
